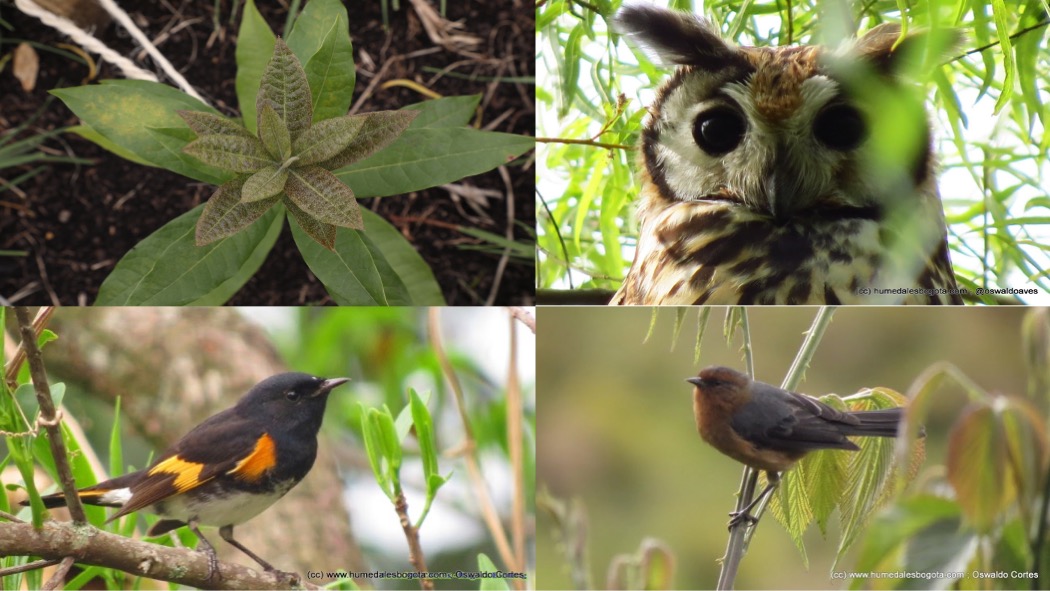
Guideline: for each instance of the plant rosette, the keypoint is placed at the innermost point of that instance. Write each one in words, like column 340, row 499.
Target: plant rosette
column 294, row 151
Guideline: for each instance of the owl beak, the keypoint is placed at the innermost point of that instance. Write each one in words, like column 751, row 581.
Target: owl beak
column 782, row 185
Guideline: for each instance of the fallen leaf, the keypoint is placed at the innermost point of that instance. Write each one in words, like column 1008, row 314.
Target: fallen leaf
column 26, row 66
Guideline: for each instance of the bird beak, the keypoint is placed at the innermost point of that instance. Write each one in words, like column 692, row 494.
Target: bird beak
column 697, row 381
column 328, row 385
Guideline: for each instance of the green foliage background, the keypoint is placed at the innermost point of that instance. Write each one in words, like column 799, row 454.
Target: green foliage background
column 594, row 87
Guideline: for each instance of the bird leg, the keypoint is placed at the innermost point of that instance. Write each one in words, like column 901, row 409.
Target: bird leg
column 735, row 517
column 226, row 532
column 204, row 546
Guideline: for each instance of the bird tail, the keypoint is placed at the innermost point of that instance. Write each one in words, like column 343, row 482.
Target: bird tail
column 111, row 493
column 875, row 423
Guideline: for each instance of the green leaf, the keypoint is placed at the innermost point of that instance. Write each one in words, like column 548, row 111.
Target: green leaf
column 404, row 259
column 453, row 111
column 100, row 140
column 321, row 41
column 323, row 234
column 168, row 268
column 225, row 290
column 226, row 213
column 378, row 130
column 285, row 88
column 326, row 139
column 230, row 152
column 255, row 43
column 203, row 123
column 424, row 434
column 374, row 448
column 264, row 184
column 317, row 192
column 126, row 112
column 356, row 273
column 486, row 565
column 423, row 158
column 274, row 134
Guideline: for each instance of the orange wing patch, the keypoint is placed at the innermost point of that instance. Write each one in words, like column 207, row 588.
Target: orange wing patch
column 262, row 458
column 187, row 474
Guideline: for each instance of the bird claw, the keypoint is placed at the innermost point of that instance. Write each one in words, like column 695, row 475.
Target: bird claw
column 293, row 579
column 736, row 517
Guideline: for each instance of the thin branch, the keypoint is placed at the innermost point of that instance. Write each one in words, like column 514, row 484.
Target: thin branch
column 415, row 549
column 10, row 517
column 515, row 436
column 1040, row 535
column 24, row 568
column 43, row 316
column 48, row 417
column 736, row 546
column 524, row 316
column 90, row 546
column 1023, row 31
column 558, row 140
column 481, row 491
column 59, row 576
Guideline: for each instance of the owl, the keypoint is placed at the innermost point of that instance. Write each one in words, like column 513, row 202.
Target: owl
column 765, row 176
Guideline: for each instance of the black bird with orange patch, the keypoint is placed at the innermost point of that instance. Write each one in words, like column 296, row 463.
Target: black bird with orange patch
column 770, row 429
column 229, row 468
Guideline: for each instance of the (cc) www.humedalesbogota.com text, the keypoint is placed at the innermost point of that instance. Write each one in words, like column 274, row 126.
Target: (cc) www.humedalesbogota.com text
column 459, row 575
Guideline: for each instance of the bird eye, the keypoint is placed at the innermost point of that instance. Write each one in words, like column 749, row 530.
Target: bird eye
column 292, row 395
column 840, row 127
column 719, row 130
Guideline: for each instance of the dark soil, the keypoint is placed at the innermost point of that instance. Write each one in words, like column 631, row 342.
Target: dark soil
column 75, row 222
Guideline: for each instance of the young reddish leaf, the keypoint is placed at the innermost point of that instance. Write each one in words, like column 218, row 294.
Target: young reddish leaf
column 263, row 184
column 327, row 138
column 230, row 152
column 377, row 131
column 317, row 192
column 322, row 233
column 225, row 214
column 208, row 124
column 274, row 134
column 285, row 88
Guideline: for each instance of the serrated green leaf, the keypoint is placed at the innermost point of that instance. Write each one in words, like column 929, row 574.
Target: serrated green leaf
column 125, row 112
column 274, row 134
column 321, row 41
column 264, row 184
column 423, row 158
column 169, row 269
column 230, row 152
column 284, row 87
column 326, row 139
column 356, row 273
column 378, row 130
column 255, row 43
column 173, row 140
column 226, row 213
column 321, row 233
column 452, row 111
column 203, row 123
column 404, row 259
column 317, row 192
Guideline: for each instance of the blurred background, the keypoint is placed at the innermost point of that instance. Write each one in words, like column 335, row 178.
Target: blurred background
column 617, row 433
column 171, row 368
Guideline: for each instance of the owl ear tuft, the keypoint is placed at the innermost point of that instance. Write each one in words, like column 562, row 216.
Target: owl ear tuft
column 678, row 38
column 917, row 53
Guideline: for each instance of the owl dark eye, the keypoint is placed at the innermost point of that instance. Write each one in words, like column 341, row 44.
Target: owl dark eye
column 719, row 130
column 840, row 127
column 292, row 395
